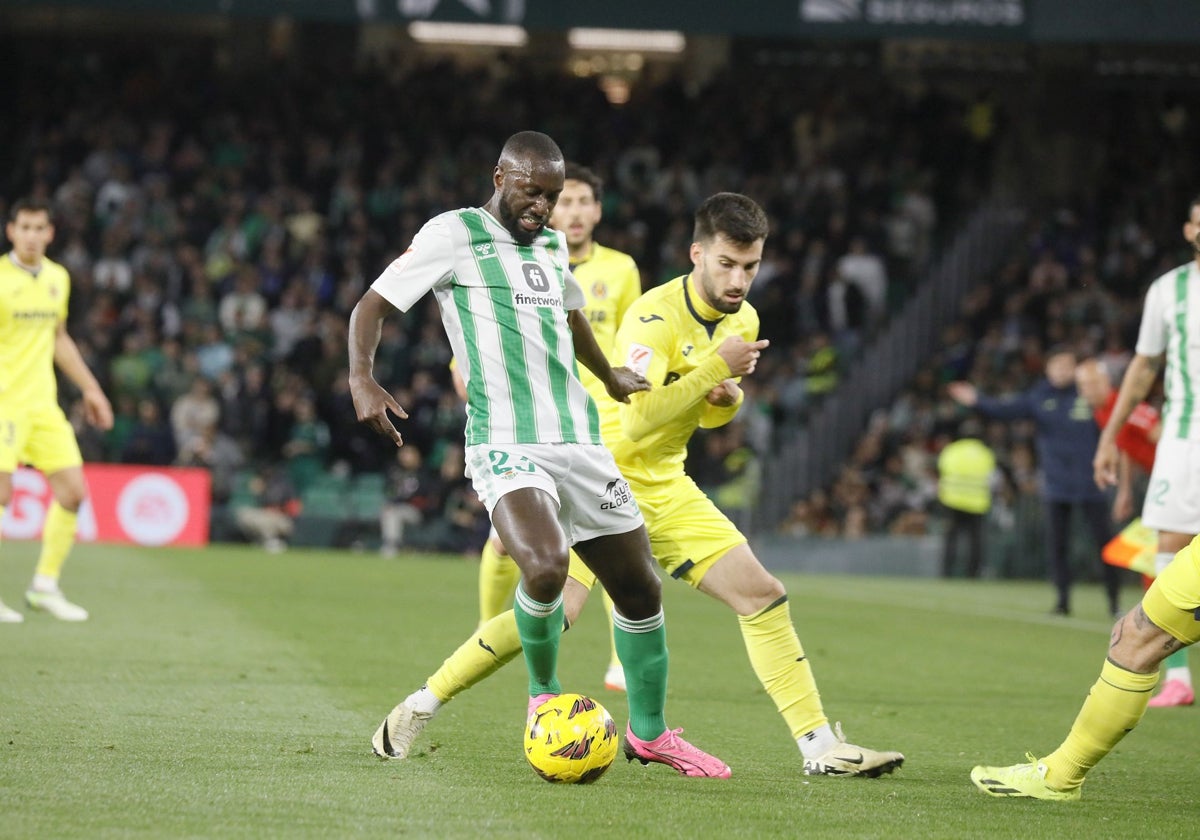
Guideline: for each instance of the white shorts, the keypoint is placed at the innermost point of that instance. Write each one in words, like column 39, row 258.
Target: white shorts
column 593, row 498
column 1173, row 494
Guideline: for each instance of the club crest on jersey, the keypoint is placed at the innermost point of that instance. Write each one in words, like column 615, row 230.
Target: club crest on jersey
column 616, row 494
column 638, row 358
column 485, row 249
column 599, row 291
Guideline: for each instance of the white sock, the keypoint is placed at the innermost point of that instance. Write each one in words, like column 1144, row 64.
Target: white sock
column 1162, row 560
column 1183, row 673
column 815, row 744
column 423, row 700
column 44, row 583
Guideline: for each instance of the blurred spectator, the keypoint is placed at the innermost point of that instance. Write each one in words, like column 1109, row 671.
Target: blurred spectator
column 194, row 412
column 462, row 525
column 966, row 469
column 729, row 472
column 413, row 493
column 270, row 520
column 858, row 295
column 216, row 452
column 150, row 441
column 307, row 445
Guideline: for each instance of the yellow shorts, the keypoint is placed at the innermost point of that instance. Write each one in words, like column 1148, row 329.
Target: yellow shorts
column 1173, row 602
column 688, row 533
column 41, row 437
column 577, row 570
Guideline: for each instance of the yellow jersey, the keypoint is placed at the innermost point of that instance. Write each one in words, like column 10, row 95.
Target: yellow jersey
column 31, row 308
column 611, row 283
column 671, row 337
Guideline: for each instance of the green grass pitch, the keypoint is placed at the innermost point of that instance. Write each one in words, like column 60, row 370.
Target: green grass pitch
column 230, row 693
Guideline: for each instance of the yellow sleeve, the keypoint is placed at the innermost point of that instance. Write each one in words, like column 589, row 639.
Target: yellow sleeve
column 648, row 348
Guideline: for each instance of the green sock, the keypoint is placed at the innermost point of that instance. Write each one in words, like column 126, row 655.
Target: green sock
column 540, row 628
column 642, row 646
column 1178, row 659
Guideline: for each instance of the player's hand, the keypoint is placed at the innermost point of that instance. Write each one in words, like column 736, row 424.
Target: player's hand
column 741, row 355
column 97, row 409
column 624, row 382
column 1104, row 464
column 963, row 393
column 725, row 394
column 371, row 404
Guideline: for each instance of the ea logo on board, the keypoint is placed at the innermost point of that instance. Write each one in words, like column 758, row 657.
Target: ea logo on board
column 152, row 509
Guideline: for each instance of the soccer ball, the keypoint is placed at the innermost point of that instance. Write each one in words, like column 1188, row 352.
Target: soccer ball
column 570, row 739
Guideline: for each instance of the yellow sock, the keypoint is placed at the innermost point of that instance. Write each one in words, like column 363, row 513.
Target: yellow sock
column 498, row 576
column 614, row 661
column 484, row 653
column 1113, row 708
column 782, row 667
column 58, row 536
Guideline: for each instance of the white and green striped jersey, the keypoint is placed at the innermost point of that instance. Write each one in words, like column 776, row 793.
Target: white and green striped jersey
column 504, row 307
column 1171, row 325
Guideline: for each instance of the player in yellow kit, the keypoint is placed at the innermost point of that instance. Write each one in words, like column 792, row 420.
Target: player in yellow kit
column 33, row 429
column 692, row 338
column 611, row 283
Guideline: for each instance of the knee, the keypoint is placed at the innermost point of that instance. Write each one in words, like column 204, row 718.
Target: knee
column 765, row 592
column 543, row 573
column 71, row 499
column 641, row 599
column 1138, row 645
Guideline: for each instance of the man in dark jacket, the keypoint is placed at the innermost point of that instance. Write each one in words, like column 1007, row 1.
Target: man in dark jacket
column 1066, row 440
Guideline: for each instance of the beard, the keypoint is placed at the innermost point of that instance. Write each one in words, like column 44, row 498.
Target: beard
column 715, row 299
column 512, row 224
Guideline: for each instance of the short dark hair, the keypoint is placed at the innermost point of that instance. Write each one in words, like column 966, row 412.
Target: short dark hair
column 736, row 217
column 579, row 172
column 530, row 144
column 27, row 204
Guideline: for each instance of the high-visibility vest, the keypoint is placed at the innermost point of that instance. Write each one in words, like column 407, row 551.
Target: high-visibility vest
column 965, row 470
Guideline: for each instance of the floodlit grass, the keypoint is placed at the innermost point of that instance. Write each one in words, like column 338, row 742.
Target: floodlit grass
column 227, row 692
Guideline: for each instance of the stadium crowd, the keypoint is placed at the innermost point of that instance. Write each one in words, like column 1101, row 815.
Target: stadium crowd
column 1077, row 283
column 219, row 224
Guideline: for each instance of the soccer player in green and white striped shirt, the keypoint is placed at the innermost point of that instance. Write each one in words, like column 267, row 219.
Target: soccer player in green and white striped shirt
column 511, row 309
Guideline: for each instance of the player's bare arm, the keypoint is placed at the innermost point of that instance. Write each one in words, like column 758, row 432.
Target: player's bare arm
column 371, row 401
column 1135, row 385
column 70, row 361
column 620, row 382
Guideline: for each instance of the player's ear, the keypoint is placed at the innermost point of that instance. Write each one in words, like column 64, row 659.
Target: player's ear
column 498, row 177
column 696, row 252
